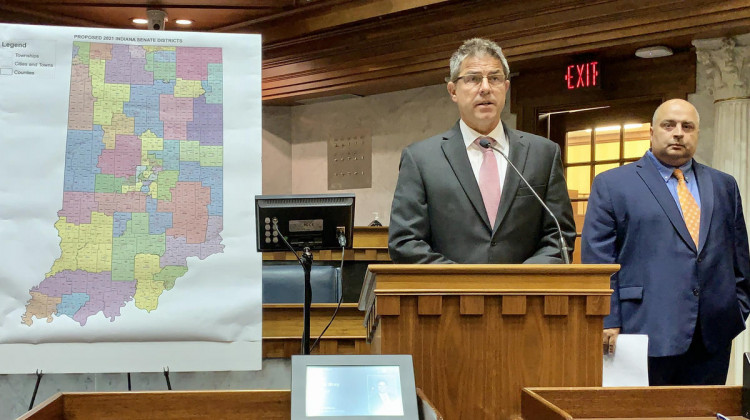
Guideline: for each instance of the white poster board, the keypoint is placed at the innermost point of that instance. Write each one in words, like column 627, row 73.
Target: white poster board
column 130, row 160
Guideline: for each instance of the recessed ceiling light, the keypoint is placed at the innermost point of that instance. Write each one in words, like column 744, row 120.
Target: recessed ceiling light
column 139, row 21
column 655, row 51
column 183, row 22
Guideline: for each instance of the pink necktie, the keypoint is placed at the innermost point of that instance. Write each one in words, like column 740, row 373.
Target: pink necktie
column 489, row 180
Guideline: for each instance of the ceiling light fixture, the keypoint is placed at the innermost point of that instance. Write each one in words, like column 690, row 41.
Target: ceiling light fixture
column 183, row 22
column 157, row 19
column 139, row 21
column 655, row 51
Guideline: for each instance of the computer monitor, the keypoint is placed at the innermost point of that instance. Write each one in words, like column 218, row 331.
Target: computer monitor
column 310, row 220
column 353, row 387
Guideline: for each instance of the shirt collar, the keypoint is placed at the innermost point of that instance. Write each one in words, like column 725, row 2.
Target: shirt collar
column 666, row 171
column 498, row 133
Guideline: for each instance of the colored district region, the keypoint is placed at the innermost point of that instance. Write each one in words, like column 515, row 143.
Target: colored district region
column 143, row 186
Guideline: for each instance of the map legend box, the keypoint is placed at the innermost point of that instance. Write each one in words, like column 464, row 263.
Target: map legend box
column 6, row 71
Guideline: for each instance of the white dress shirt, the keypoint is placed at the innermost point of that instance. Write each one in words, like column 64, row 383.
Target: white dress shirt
column 476, row 152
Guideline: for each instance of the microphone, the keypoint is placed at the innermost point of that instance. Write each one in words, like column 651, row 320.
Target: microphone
column 563, row 246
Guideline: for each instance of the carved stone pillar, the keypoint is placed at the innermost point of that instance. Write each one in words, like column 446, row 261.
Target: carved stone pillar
column 724, row 73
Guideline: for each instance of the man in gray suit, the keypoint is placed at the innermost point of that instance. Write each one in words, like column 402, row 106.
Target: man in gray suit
column 457, row 202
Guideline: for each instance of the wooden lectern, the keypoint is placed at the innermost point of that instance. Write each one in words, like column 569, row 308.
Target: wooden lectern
column 480, row 333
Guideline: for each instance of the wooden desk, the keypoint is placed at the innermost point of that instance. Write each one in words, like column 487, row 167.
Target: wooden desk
column 173, row 405
column 369, row 243
column 282, row 329
column 636, row 403
column 674, row 418
column 282, row 323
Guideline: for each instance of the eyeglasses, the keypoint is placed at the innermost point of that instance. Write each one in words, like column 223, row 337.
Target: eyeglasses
column 475, row 79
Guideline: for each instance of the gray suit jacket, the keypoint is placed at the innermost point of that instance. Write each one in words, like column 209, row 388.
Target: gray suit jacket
column 438, row 215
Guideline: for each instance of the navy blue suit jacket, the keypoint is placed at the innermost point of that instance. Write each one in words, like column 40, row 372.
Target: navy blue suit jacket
column 665, row 285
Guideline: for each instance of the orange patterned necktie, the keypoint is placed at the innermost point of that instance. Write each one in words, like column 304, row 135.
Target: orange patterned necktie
column 690, row 210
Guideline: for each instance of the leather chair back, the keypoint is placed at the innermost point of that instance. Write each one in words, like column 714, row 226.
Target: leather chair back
column 286, row 284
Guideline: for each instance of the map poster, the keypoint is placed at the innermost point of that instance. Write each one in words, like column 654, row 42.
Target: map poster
column 129, row 161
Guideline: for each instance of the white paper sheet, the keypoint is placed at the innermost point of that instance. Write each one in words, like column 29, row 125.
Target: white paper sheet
column 629, row 365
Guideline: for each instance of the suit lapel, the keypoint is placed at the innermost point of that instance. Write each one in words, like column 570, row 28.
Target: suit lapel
column 519, row 150
column 455, row 152
column 651, row 176
column 706, row 190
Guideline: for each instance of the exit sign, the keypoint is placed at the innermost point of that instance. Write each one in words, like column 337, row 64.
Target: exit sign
column 583, row 75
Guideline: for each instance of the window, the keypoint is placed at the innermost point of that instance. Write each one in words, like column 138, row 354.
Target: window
column 592, row 151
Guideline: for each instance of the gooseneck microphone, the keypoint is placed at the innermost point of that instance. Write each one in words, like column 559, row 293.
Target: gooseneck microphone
column 563, row 245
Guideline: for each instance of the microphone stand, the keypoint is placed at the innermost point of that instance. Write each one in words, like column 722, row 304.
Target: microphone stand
column 564, row 250
column 306, row 260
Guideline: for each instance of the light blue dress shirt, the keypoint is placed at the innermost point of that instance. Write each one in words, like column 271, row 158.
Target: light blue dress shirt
column 666, row 174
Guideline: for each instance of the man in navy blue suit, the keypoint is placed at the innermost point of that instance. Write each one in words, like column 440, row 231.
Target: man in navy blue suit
column 677, row 230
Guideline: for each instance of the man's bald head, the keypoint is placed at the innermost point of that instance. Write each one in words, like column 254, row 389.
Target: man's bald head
column 674, row 132
column 675, row 102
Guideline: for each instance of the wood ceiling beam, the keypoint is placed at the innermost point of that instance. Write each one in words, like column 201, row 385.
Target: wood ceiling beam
column 324, row 16
column 594, row 27
column 50, row 18
column 236, row 4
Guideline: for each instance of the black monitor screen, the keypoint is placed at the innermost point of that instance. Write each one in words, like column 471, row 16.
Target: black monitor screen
column 315, row 221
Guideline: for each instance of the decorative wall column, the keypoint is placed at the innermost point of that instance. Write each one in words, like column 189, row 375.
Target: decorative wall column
column 724, row 74
column 724, row 66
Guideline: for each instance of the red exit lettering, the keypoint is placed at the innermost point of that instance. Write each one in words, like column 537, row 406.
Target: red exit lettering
column 582, row 75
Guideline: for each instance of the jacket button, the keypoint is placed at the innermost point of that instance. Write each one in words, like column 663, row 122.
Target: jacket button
column 700, row 259
column 696, row 292
column 493, row 243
